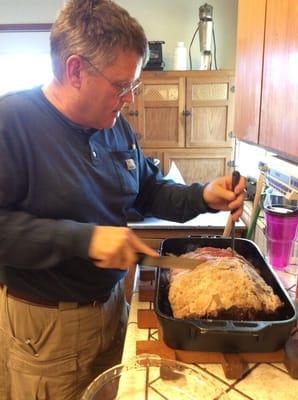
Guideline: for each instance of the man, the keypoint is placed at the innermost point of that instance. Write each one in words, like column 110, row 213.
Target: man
column 70, row 169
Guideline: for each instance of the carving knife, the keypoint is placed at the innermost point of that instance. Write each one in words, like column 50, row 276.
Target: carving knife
column 168, row 262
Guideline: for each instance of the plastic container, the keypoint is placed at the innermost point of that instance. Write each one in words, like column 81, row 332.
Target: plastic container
column 180, row 57
column 223, row 335
column 151, row 377
column 281, row 217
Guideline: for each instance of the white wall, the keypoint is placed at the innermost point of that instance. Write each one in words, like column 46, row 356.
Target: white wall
column 168, row 20
column 177, row 20
column 28, row 11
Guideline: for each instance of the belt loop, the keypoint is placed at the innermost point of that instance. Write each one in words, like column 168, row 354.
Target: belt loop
column 4, row 289
column 7, row 320
column 67, row 305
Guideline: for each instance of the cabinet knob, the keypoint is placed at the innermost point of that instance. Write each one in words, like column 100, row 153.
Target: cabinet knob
column 186, row 113
column 233, row 89
column 231, row 164
column 139, row 136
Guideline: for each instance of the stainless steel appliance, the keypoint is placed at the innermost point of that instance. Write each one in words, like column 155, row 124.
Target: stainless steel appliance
column 205, row 35
column 281, row 176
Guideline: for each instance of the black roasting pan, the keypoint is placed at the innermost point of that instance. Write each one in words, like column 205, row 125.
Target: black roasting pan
column 222, row 335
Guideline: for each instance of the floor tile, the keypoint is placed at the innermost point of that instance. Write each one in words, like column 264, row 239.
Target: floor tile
column 288, row 280
column 234, row 395
column 133, row 334
column 280, row 366
column 217, row 370
column 292, row 269
column 266, row 382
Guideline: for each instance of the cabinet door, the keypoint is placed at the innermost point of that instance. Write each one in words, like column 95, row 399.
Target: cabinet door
column 279, row 120
column 200, row 165
column 131, row 114
column 210, row 110
column 160, row 107
column 249, row 63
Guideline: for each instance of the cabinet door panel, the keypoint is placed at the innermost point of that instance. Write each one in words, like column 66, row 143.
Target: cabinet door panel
column 162, row 125
column 209, row 91
column 131, row 114
column 279, row 121
column 249, row 56
column 161, row 104
column 199, row 165
column 209, row 125
column 210, row 102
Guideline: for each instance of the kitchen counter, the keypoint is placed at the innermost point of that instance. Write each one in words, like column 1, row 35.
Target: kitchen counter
column 262, row 381
column 202, row 221
column 153, row 230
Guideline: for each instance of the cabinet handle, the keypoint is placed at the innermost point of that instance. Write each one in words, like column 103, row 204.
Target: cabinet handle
column 133, row 113
column 186, row 113
column 233, row 89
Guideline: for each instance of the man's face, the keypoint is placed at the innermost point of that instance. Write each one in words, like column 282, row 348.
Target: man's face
column 100, row 100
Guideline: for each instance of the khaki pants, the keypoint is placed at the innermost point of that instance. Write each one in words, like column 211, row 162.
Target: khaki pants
column 54, row 353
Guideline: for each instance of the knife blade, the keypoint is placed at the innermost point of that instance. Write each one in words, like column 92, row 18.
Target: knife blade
column 167, row 262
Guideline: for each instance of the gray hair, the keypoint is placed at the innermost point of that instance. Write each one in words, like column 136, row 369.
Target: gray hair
column 97, row 30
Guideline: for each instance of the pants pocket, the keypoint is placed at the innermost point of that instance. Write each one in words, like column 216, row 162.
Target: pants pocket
column 41, row 380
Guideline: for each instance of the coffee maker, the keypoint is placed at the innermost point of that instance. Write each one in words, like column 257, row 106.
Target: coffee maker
column 155, row 62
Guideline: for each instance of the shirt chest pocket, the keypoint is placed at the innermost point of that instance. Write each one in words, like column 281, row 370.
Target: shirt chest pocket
column 126, row 166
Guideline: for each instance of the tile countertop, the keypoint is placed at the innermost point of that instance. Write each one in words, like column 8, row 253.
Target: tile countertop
column 263, row 381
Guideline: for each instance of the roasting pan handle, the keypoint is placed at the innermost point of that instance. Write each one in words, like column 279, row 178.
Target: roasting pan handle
column 206, row 326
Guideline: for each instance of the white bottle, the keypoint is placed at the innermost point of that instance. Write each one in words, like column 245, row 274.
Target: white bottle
column 180, row 57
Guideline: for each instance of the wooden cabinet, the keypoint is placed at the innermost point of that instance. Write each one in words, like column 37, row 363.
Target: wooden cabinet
column 266, row 98
column 186, row 117
column 210, row 102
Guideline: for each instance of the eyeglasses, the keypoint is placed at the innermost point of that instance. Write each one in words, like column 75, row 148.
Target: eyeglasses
column 121, row 90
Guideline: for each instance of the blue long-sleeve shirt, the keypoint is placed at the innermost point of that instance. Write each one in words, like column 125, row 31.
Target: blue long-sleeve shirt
column 57, row 181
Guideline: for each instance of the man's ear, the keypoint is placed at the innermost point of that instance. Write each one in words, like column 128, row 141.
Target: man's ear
column 73, row 71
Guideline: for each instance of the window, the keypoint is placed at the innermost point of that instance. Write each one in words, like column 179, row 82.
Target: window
column 23, row 70
column 24, row 56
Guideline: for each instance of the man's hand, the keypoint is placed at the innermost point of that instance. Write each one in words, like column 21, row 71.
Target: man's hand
column 116, row 247
column 218, row 195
